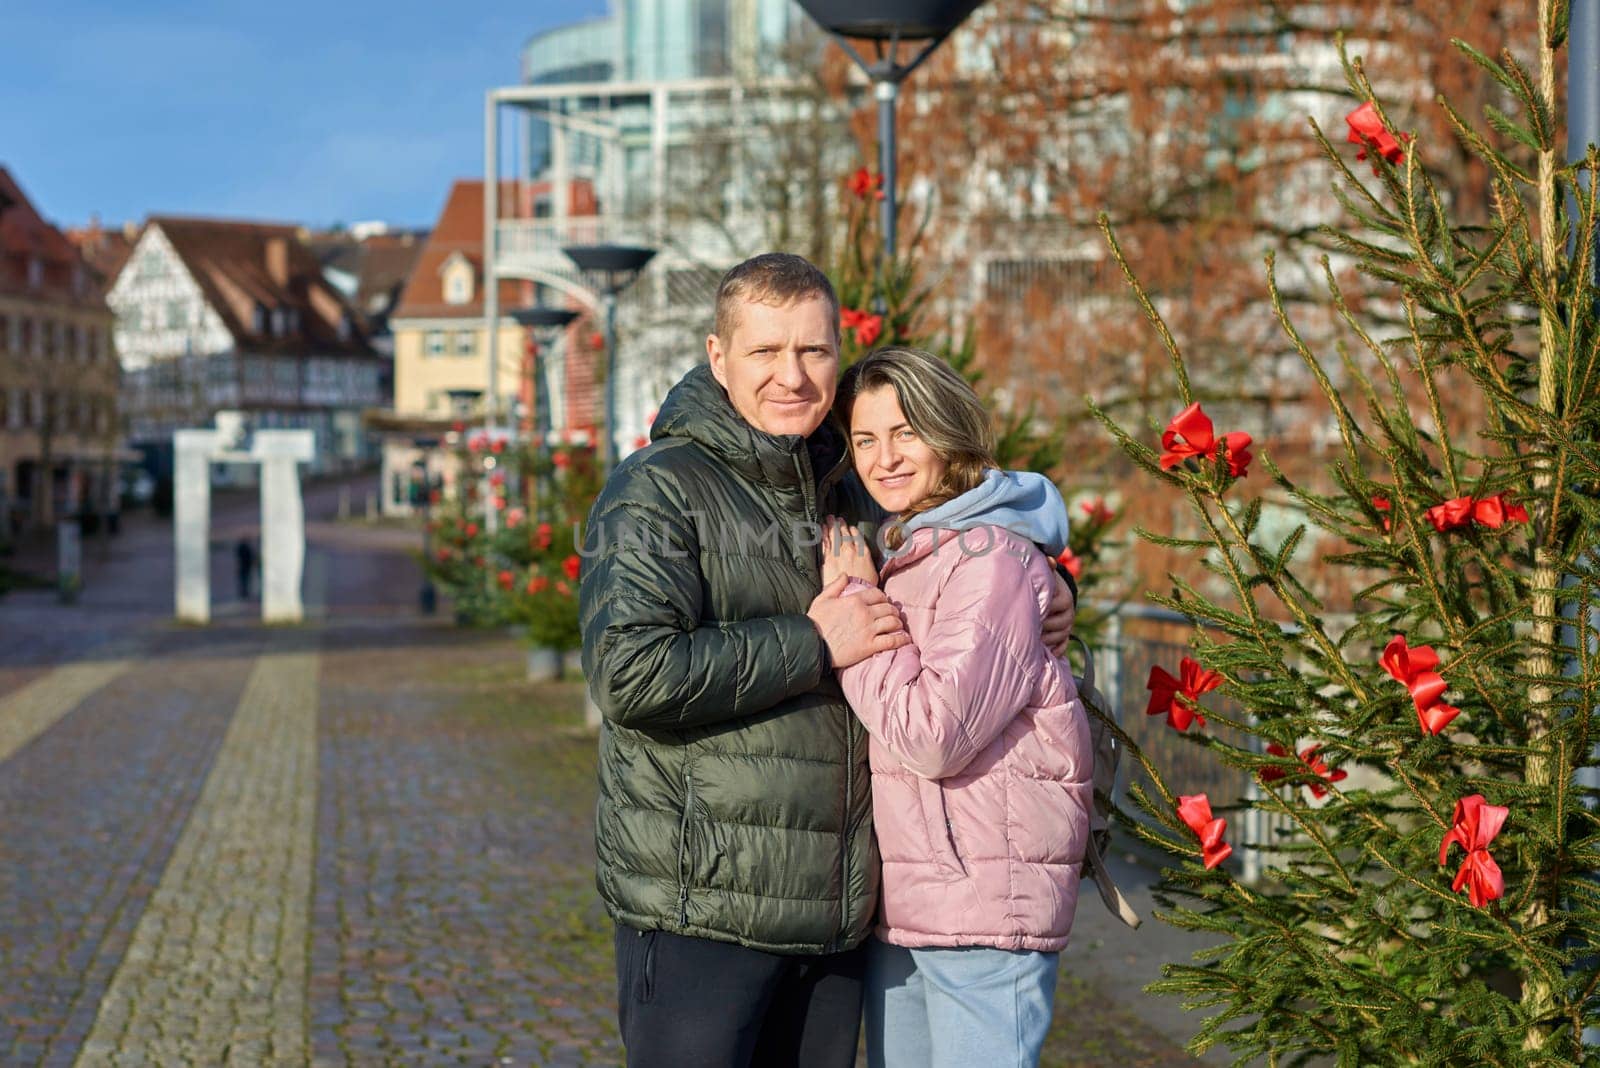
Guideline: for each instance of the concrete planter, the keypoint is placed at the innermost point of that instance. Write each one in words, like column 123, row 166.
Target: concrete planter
column 544, row 664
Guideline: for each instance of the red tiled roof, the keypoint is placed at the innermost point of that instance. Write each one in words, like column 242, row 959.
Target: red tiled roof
column 26, row 237
column 381, row 264
column 231, row 262
column 460, row 229
column 105, row 251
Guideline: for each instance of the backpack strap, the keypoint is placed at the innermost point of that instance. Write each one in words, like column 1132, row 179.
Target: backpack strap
column 1094, row 858
column 1113, row 897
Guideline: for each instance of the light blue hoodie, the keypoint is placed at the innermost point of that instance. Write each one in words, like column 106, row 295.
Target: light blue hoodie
column 1026, row 504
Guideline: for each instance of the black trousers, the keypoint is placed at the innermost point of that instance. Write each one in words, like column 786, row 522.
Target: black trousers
column 694, row 1003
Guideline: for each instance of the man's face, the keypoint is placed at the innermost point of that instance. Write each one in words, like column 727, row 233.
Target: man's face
column 780, row 364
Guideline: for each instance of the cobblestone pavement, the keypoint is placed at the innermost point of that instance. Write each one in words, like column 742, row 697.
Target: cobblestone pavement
column 363, row 841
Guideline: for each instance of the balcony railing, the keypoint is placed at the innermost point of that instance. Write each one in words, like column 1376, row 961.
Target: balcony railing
column 545, row 238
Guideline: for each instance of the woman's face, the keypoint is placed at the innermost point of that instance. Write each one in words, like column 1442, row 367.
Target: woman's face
column 897, row 467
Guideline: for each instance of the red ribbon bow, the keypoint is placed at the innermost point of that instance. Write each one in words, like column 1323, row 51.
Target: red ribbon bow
column 867, row 327
column 864, row 182
column 1492, row 512
column 1476, row 822
column 1195, row 812
column 1191, row 434
column 1368, row 131
column 1072, row 562
column 1415, row 668
column 1313, row 762
column 1097, row 511
column 1177, row 697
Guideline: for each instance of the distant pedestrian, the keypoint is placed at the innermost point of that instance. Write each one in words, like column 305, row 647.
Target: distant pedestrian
column 244, row 555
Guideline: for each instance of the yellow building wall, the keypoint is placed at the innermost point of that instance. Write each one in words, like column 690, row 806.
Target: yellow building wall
column 422, row 382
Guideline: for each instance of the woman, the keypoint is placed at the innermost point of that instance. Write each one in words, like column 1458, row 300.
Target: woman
column 981, row 763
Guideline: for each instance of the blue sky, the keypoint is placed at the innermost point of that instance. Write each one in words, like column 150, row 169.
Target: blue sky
column 306, row 112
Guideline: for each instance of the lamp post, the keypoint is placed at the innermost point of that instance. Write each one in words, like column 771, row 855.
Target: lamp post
column 610, row 269
column 887, row 23
column 544, row 326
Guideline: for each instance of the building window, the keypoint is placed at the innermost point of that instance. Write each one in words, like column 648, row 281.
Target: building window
column 466, row 342
column 434, row 343
column 345, row 329
column 259, row 323
column 280, row 322
column 458, row 283
column 177, row 317
column 35, row 272
column 6, row 344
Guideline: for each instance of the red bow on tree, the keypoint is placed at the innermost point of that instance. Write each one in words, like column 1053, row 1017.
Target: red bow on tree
column 1190, row 434
column 864, row 182
column 1097, row 511
column 1072, row 562
column 867, row 327
column 1382, row 504
column 1476, row 822
column 1177, row 697
column 1195, row 812
column 1313, row 762
column 1415, row 668
column 1368, row 131
column 1492, row 512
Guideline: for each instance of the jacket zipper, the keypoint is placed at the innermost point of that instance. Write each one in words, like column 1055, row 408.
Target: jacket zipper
column 844, row 836
column 812, row 494
column 683, row 848
column 812, row 498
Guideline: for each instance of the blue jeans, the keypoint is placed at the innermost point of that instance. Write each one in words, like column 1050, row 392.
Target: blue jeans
column 955, row 1008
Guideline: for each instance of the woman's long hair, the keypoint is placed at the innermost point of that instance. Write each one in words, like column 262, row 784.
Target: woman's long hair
column 940, row 406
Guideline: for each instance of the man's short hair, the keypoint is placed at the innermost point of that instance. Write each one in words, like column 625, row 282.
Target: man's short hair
column 771, row 278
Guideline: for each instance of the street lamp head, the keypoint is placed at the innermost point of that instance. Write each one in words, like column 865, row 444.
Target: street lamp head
column 890, row 20
column 540, row 317
column 610, row 268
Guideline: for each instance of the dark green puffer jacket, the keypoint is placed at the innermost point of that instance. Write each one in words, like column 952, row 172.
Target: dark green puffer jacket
column 735, row 800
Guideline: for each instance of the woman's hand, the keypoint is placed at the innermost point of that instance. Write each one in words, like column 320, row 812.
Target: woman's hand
column 845, row 552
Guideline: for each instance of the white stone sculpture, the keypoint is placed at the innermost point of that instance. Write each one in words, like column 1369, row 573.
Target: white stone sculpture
column 283, row 526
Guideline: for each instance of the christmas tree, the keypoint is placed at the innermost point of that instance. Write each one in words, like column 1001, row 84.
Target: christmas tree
column 1434, row 898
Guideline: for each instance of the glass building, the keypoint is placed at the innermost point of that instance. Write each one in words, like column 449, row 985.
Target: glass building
column 583, row 52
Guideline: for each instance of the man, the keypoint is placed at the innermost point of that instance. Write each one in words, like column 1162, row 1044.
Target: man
column 734, row 830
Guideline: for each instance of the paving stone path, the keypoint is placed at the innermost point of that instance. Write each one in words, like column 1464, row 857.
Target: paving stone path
column 216, row 971
column 363, row 841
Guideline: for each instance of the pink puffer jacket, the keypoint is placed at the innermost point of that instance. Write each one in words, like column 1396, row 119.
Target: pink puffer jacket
column 982, row 771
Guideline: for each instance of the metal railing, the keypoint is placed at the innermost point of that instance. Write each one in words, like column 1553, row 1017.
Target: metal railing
column 1124, row 660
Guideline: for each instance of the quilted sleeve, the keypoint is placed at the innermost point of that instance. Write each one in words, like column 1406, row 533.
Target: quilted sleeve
column 650, row 660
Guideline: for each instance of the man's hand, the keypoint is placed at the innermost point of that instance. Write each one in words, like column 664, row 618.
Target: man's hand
column 857, row 626
column 844, row 552
column 1058, row 620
